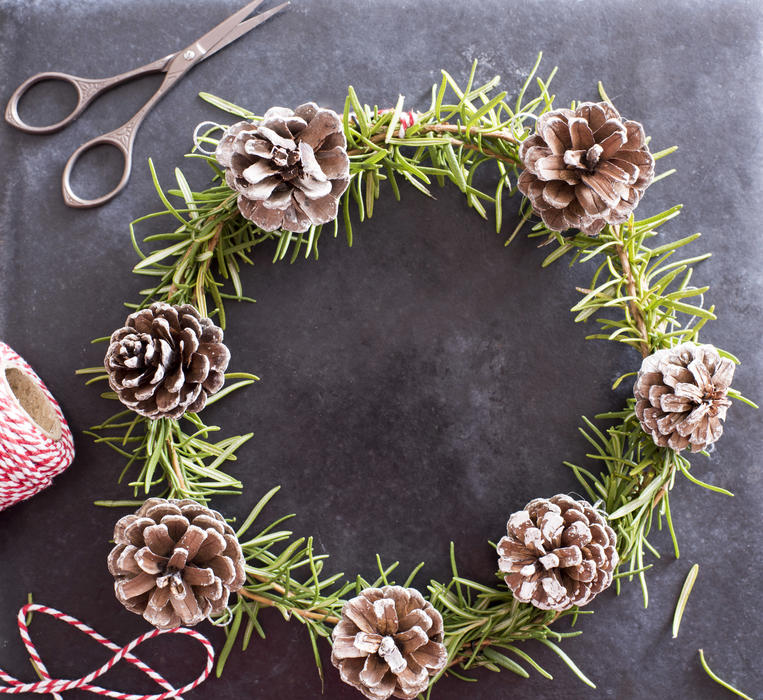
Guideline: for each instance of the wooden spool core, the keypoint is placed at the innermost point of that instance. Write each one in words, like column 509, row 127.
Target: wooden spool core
column 34, row 402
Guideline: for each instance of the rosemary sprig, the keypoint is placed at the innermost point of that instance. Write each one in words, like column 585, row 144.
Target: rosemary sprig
column 174, row 456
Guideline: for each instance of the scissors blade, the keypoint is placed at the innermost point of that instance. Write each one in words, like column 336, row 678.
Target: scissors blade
column 223, row 34
column 243, row 28
column 208, row 41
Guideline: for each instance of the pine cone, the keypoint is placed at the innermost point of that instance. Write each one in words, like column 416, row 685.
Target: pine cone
column 681, row 395
column 586, row 168
column 389, row 642
column 558, row 553
column 166, row 361
column 290, row 169
column 175, row 562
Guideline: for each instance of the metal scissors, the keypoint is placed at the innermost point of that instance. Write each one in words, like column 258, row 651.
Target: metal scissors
column 175, row 66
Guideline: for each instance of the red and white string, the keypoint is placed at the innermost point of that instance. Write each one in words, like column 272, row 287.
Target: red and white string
column 406, row 119
column 53, row 686
column 29, row 458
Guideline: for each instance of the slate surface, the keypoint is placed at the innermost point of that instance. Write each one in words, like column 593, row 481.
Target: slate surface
column 422, row 385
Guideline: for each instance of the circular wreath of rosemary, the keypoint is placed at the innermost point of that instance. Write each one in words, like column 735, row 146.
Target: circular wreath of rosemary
column 637, row 297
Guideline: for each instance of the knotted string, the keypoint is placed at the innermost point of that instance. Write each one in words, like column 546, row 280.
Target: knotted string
column 406, row 119
column 52, row 686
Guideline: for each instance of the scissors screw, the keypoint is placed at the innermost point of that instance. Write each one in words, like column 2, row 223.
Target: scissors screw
column 188, row 55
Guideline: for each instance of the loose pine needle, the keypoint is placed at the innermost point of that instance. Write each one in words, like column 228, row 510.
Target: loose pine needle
column 718, row 680
column 691, row 577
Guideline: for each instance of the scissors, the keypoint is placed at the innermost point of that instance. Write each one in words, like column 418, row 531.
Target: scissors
column 175, row 66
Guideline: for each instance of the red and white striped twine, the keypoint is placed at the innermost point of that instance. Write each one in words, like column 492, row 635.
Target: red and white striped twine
column 406, row 118
column 29, row 457
column 52, row 686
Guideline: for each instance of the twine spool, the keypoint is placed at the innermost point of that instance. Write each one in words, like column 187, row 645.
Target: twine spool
column 35, row 441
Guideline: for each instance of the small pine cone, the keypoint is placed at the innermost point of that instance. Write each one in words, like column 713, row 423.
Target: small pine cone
column 389, row 643
column 585, row 168
column 290, row 169
column 175, row 562
column 166, row 360
column 558, row 553
column 682, row 395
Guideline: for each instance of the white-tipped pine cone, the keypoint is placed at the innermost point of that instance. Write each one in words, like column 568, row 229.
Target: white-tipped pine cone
column 166, row 360
column 558, row 553
column 290, row 169
column 682, row 395
column 175, row 562
column 585, row 168
column 389, row 643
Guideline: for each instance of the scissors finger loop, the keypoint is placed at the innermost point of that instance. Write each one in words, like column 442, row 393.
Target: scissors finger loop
column 86, row 91
column 121, row 139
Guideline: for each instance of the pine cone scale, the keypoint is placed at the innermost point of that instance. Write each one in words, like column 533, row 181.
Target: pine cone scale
column 412, row 639
column 176, row 525
column 373, row 670
column 184, row 603
column 354, row 646
column 558, row 194
column 418, row 618
column 334, row 162
column 157, row 537
column 580, row 135
column 431, row 655
column 148, row 561
column 212, row 546
column 137, row 585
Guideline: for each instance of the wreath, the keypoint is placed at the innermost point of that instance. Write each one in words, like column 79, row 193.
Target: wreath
column 291, row 176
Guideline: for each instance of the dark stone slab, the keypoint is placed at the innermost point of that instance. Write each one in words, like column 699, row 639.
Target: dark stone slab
column 422, row 385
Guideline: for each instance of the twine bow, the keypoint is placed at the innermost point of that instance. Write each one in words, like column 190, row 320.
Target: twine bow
column 52, row 686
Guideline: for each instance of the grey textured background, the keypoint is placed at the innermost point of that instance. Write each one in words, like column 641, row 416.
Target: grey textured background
column 422, row 385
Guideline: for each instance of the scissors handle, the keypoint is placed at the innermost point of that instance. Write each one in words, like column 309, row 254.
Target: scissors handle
column 120, row 138
column 87, row 90
column 123, row 137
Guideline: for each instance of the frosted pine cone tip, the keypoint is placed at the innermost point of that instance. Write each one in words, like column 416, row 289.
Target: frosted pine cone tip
column 389, row 643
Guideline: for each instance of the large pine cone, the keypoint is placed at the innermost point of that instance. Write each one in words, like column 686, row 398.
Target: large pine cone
column 681, row 395
column 175, row 562
column 290, row 169
column 585, row 168
column 558, row 553
column 166, row 360
column 389, row 642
